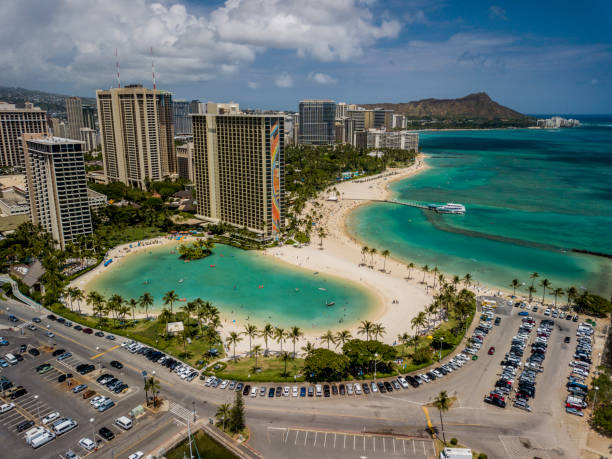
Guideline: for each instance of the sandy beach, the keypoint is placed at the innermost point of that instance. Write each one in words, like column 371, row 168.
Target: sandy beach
column 398, row 298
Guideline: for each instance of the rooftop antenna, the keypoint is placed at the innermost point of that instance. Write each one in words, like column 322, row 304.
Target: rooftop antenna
column 117, row 65
column 153, row 69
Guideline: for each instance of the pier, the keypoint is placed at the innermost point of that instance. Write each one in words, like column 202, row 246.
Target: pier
column 392, row 201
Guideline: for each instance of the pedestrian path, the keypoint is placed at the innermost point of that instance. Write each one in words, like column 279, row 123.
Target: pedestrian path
column 181, row 412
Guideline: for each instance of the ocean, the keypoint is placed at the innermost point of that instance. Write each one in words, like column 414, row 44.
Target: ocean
column 532, row 197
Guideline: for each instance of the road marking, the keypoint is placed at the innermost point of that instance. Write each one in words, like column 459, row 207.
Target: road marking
column 429, row 425
column 354, row 440
column 413, row 446
column 132, row 446
column 404, row 445
column 424, row 452
column 297, row 433
column 102, row 353
column 305, row 438
column 315, row 442
column 325, row 440
column 344, row 441
column 374, row 444
column 334, row 441
column 393, row 439
column 384, row 445
column 364, row 442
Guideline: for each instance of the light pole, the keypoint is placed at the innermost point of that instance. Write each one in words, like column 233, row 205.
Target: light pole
column 93, row 433
column 375, row 357
column 194, row 411
column 37, row 407
column 440, row 353
column 595, row 398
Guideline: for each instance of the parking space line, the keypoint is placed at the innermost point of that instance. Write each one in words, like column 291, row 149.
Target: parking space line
column 344, row 441
column 384, row 446
column 413, row 447
column 393, row 439
column 305, row 438
column 404, row 446
column 374, row 444
column 334, row 441
column 364, row 442
column 424, row 452
column 325, row 440
column 297, row 433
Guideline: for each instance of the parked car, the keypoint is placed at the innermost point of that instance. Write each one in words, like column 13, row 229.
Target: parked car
column 116, row 364
column 106, row 433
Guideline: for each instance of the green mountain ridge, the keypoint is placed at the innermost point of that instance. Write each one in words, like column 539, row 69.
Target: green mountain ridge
column 473, row 106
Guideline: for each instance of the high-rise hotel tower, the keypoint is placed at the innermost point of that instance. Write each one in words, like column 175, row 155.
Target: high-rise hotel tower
column 137, row 134
column 13, row 123
column 239, row 168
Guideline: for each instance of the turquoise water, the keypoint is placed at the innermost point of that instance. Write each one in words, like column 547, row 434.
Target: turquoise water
column 233, row 285
column 531, row 197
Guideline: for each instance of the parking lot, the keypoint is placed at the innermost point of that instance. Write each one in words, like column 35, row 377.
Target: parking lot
column 297, row 443
column 46, row 395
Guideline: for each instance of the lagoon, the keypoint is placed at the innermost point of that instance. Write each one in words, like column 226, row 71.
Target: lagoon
column 244, row 285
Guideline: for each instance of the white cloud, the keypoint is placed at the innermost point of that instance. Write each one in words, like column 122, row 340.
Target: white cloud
column 252, row 84
column 284, row 80
column 188, row 45
column 322, row 78
column 497, row 12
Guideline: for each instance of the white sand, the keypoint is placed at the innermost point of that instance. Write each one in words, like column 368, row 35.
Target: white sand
column 399, row 299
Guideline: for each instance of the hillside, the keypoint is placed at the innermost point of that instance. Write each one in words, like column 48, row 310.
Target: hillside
column 473, row 106
column 55, row 104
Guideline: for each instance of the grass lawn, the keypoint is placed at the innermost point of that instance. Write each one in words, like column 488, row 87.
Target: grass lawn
column 271, row 370
column 120, row 235
column 206, row 447
column 148, row 332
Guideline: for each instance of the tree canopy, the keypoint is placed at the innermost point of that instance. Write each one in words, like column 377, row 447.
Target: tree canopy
column 325, row 365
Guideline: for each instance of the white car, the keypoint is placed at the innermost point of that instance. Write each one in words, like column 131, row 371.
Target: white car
column 403, row 382
column 224, row 384
column 286, row 391
column 349, row 389
column 254, row 391
column 294, row 391
column 50, row 417
column 136, row 455
column 358, row 390
column 6, row 407
column 96, row 399
column 101, row 402
column 374, row 387
column 208, row 381
column 87, row 444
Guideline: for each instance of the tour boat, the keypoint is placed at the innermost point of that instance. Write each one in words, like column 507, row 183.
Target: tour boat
column 329, row 303
column 451, row 208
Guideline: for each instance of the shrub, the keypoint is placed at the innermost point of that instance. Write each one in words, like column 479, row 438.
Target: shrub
column 482, row 456
column 422, row 355
column 453, row 441
column 325, row 365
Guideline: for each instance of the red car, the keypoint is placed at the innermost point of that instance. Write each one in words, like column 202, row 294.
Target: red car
column 89, row 331
column 491, row 350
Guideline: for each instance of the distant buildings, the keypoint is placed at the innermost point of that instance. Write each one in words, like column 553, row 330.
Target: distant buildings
column 13, row 123
column 57, row 188
column 96, row 200
column 381, row 138
column 317, row 122
column 182, row 123
column 89, row 117
column 74, row 112
column 137, row 134
column 90, row 137
column 184, row 161
column 239, row 170
column 557, row 122
column 14, row 201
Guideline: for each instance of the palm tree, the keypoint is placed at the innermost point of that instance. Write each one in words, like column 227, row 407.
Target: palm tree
column 72, row 295
column 285, row 357
column 410, row 266
column 78, row 296
column 533, row 276
column 308, row 348
column 146, row 301
column 558, row 292
column 329, row 337
column 442, row 403
column 425, row 269
column 514, row 284
column 280, row 335
column 165, row 315
column 467, row 279
column 378, row 329
column 365, row 328
column 531, row 289
column 233, row 338
column 385, row 253
column 322, row 234
column 256, row 351
column 456, row 280
column 266, row 333
column 294, row 334
column 572, row 293
column 223, row 413
column 251, row 331
column 435, row 271
column 133, row 303
column 152, row 385
column 170, row 298
column 413, row 341
column 343, row 336
column 364, row 251
column 544, row 283
column 418, row 321
column 373, row 252
column 201, row 312
column 189, row 308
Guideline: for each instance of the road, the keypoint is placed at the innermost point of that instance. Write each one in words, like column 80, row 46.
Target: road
column 376, row 425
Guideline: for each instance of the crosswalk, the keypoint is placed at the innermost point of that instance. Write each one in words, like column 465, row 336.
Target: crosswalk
column 181, row 411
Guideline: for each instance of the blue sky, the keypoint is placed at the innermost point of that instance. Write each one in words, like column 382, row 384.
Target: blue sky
column 535, row 57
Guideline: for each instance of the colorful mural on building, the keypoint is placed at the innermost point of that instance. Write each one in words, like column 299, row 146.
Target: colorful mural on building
column 276, row 194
